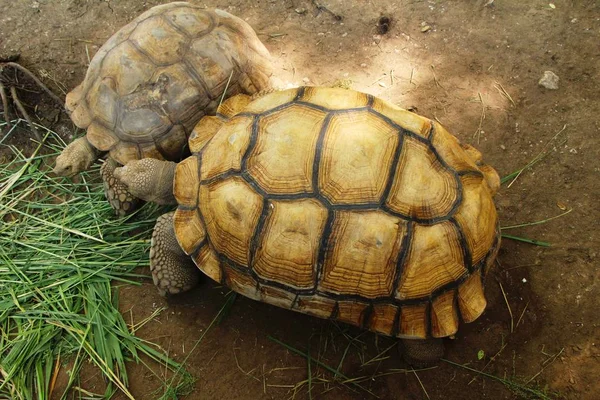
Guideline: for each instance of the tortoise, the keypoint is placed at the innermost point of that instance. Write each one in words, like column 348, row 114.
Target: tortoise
column 332, row 203
column 151, row 82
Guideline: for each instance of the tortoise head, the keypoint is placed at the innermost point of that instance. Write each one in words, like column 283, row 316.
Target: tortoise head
column 78, row 156
column 149, row 179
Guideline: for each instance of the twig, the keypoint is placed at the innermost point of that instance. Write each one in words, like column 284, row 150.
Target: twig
column 5, row 105
column 544, row 366
column 36, row 80
column 421, row 383
column 521, row 317
column 412, row 73
column 15, row 98
column 508, row 306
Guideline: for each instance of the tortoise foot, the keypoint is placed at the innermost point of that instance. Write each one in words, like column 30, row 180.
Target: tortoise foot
column 116, row 192
column 172, row 270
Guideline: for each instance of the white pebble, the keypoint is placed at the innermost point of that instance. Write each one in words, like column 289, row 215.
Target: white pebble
column 549, row 80
column 524, row 280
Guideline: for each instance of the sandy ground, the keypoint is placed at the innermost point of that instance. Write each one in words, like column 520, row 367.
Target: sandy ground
column 475, row 67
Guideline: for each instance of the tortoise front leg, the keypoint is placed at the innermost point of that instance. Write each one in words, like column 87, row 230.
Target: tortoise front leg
column 116, row 192
column 422, row 353
column 172, row 270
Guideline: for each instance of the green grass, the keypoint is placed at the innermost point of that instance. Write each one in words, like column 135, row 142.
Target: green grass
column 60, row 249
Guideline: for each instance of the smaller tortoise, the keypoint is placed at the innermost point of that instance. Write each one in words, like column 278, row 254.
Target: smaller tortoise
column 333, row 203
column 151, row 82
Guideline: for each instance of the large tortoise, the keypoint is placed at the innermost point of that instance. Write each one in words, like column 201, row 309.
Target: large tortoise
column 332, row 203
column 151, row 82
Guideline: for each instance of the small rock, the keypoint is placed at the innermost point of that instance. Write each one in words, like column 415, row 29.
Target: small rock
column 549, row 80
column 300, row 10
column 425, row 28
column 382, row 84
column 363, row 65
column 503, row 147
column 344, row 34
column 305, row 80
column 524, row 280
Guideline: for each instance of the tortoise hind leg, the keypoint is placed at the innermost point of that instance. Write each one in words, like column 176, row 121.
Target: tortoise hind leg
column 116, row 192
column 422, row 353
column 172, row 270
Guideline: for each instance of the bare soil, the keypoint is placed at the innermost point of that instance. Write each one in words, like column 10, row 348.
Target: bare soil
column 451, row 60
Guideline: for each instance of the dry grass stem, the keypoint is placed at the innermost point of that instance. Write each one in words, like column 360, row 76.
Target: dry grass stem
column 481, row 118
column 522, row 314
column 543, row 153
column 507, row 306
column 504, row 93
column 435, row 79
column 421, row 383
column 543, row 221
column 546, row 364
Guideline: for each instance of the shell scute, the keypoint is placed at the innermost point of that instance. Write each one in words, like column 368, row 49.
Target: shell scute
column 356, row 158
column 158, row 40
column 231, row 210
column 282, row 161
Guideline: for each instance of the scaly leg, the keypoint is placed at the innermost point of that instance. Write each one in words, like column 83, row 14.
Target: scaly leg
column 115, row 191
column 172, row 270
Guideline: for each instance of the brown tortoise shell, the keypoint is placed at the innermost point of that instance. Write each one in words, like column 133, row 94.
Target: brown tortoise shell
column 340, row 205
column 151, row 82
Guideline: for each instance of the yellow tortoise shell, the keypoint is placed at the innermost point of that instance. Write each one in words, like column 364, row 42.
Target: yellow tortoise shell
column 340, row 205
column 153, row 80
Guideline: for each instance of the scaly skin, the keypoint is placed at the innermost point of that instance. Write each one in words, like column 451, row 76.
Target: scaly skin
column 149, row 179
column 78, row 156
column 116, row 192
column 172, row 270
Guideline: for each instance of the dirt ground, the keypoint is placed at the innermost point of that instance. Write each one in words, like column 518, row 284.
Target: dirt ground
column 452, row 60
